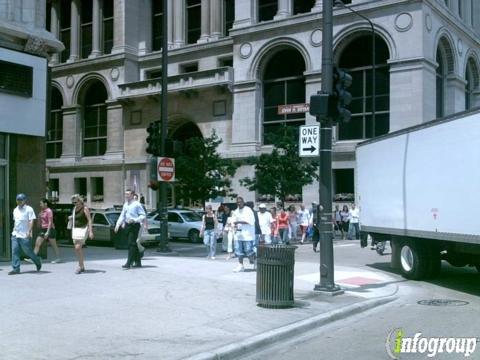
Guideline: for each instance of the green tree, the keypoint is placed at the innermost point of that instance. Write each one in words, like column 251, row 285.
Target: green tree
column 282, row 172
column 201, row 173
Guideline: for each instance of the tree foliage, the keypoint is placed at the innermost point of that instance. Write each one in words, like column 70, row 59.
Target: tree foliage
column 201, row 173
column 282, row 172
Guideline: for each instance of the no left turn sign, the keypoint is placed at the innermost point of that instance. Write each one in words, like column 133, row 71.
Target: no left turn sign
column 166, row 169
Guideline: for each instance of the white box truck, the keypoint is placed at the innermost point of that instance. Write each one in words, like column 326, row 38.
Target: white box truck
column 419, row 188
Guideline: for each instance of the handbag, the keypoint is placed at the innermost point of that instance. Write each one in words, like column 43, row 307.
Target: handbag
column 78, row 233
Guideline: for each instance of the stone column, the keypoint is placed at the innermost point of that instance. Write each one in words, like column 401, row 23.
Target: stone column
column 455, row 96
column 126, row 26
column 97, row 33
column 71, row 146
column 55, row 27
column 285, row 9
column 179, row 23
column 411, row 84
column 115, row 131
column 205, row 27
column 216, row 8
column 145, row 44
column 246, row 119
column 75, row 31
column 318, row 6
column 246, row 13
column 170, row 23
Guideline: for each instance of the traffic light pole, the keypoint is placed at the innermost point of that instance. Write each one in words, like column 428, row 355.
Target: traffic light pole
column 327, row 283
column 162, row 203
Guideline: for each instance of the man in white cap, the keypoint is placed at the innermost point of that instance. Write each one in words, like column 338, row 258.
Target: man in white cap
column 265, row 221
column 23, row 216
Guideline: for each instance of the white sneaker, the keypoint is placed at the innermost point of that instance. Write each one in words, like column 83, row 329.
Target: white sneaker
column 239, row 268
column 57, row 261
column 213, row 258
column 28, row 260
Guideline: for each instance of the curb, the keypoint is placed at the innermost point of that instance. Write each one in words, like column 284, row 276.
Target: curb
column 236, row 350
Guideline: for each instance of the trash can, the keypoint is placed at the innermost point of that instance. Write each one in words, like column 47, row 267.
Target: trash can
column 275, row 270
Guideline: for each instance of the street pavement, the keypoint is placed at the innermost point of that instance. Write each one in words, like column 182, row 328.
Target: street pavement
column 174, row 307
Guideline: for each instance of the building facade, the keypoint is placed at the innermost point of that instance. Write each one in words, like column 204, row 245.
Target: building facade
column 25, row 47
column 230, row 65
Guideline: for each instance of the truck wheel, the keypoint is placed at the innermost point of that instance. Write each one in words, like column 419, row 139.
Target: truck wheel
column 413, row 261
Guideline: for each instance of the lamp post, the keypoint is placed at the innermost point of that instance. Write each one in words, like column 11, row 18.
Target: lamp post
column 341, row 4
column 162, row 204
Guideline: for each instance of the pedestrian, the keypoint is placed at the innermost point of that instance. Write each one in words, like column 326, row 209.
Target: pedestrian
column 354, row 226
column 208, row 232
column 258, row 231
column 292, row 223
column 81, row 222
column 130, row 220
column 23, row 216
column 345, row 216
column 303, row 219
column 244, row 221
column 265, row 222
column 337, row 220
column 314, row 225
column 229, row 231
column 274, row 232
column 223, row 222
column 144, row 228
column 47, row 230
column 283, row 226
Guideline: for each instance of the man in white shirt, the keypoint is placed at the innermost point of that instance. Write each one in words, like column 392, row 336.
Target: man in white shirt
column 23, row 216
column 265, row 222
column 130, row 219
column 244, row 221
column 354, row 225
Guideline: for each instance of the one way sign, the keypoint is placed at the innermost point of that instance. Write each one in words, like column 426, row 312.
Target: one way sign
column 309, row 142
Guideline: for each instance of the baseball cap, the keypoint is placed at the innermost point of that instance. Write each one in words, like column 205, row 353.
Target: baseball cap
column 21, row 197
column 262, row 206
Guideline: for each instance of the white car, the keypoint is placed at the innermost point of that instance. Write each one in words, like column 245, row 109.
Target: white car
column 103, row 223
column 184, row 224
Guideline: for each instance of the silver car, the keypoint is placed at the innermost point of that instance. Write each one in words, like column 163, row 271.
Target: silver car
column 182, row 224
column 103, row 223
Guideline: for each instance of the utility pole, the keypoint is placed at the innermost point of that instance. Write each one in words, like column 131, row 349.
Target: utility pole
column 162, row 203
column 324, row 212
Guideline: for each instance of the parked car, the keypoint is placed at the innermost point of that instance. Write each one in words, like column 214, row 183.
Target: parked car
column 182, row 223
column 103, row 222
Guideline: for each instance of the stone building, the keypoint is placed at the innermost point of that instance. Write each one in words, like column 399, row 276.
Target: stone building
column 25, row 46
column 231, row 63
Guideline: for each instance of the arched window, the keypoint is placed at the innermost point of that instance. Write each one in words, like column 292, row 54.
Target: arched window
column 95, row 120
column 55, row 126
column 157, row 23
column 194, row 18
column 283, row 83
column 267, row 9
column 471, row 77
column 107, row 26
column 441, row 75
column 86, row 26
column 356, row 58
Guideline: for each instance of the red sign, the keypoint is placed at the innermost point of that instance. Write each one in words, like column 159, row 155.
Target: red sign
column 166, row 169
column 292, row 109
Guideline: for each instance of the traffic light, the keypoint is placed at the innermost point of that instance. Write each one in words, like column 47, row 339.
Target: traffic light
column 322, row 105
column 341, row 82
column 153, row 138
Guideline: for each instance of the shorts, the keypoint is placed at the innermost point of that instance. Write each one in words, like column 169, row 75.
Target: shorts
column 52, row 234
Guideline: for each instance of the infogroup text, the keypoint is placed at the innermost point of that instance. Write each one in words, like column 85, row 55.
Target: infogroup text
column 397, row 343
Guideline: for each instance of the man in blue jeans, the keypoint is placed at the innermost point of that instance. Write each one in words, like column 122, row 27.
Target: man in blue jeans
column 23, row 216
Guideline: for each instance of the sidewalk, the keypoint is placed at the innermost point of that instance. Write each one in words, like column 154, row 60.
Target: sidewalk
column 172, row 308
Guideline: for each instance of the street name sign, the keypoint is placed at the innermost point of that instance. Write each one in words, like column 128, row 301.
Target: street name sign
column 166, row 169
column 309, row 142
column 292, row 109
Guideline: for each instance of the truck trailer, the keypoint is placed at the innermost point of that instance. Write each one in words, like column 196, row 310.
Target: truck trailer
column 419, row 188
